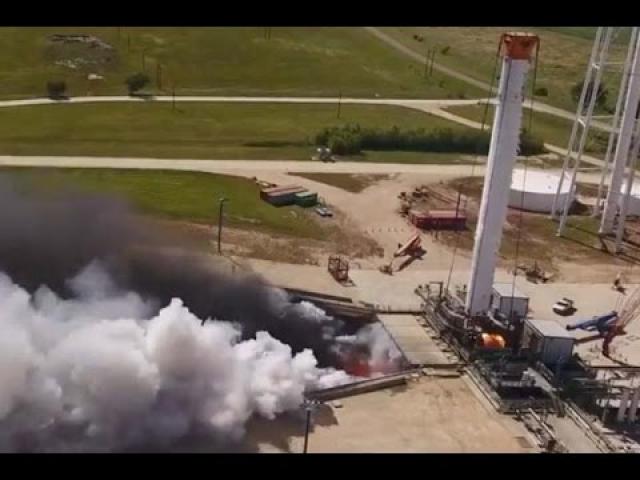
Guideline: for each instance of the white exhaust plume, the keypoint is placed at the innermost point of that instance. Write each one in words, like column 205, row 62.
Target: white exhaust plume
column 107, row 371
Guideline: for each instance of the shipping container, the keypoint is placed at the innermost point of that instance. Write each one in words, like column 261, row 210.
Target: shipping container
column 306, row 199
column 507, row 301
column 438, row 220
column 280, row 196
column 282, row 188
column 548, row 341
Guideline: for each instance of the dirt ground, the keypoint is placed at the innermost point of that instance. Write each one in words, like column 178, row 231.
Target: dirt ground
column 430, row 415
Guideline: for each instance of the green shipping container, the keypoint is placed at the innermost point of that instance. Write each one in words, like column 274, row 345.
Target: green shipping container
column 306, row 199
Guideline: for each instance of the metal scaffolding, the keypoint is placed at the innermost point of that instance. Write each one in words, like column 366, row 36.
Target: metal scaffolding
column 620, row 132
column 582, row 123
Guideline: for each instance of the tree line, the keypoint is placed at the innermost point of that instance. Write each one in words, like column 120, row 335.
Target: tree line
column 352, row 139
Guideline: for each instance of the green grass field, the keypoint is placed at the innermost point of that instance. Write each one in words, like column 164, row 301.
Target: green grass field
column 564, row 54
column 219, row 61
column 198, row 130
column 551, row 129
column 185, row 196
column 589, row 33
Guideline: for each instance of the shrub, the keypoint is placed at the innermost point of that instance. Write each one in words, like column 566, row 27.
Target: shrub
column 137, row 82
column 601, row 95
column 530, row 144
column 541, row 92
column 445, row 50
column 56, row 88
column 352, row 139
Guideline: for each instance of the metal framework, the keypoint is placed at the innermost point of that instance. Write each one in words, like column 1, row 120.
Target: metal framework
column 622, row 131
column 623, row 146
column 582, row 123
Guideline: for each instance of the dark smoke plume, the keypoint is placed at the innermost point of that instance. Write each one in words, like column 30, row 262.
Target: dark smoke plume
column 48, row 240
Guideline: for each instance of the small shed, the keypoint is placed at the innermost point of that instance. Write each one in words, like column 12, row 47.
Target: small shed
column 507, row 301
column 548, row 340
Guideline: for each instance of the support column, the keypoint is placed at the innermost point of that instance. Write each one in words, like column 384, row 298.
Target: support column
column 574, row 129
column 624, row 143
column 516, row 49
column 606, row 165
column 624, row 401
column 631, row 174
column 634, row 405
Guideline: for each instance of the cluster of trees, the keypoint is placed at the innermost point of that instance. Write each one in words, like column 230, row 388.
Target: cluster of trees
column 57, row 88
column 137, row 82
column 352, row 139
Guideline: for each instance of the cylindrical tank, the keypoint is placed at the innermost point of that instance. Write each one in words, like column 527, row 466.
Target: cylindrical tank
column 492, row 340
column 633, row 207
column 533, row 190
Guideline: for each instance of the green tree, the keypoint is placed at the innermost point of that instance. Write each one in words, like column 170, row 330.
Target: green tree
column 56, row 88
column 137, row 82
column 601, row 96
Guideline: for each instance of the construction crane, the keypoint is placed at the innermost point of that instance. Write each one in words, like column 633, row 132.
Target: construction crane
column 610, row 325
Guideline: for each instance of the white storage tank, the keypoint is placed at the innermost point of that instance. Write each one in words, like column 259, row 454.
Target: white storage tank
column 538, row 187
column 548, row 340
column 507, row 301
column 633, row 207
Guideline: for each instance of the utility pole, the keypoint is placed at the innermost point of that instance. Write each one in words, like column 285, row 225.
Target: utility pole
column 433, row 56
column 426, row 62
column 159, row 76
column 222, row 201
column 339, row 104
column 144, row 63
column 309, row 406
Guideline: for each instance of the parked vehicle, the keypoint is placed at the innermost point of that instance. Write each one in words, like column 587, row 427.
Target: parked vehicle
column 324, row 212
column 564, row 307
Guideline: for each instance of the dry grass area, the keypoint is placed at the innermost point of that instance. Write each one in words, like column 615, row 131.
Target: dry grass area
column 341, row 238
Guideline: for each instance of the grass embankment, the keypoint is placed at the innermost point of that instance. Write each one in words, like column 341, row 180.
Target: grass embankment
column 472, row 51
column 553, row 130
column 183, row 196
column 218, row 61
column 201, row 130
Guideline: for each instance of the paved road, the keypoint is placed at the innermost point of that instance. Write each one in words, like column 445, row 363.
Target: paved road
column 251, row 167
column 537, row 106
column 238, row 165
column 416, row 103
